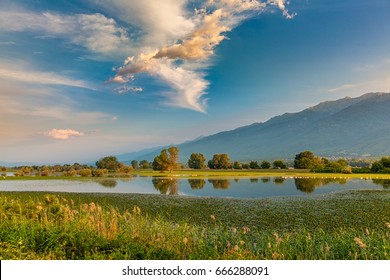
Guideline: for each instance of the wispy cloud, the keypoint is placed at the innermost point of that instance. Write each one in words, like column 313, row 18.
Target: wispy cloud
column 8, row 43
column 343, row 87
column 63, row 134
column 95, row 32
column 44, row 105
column 23, row 72
column 182, row 61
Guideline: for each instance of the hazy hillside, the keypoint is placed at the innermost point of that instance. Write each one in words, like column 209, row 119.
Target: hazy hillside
column 349, row 126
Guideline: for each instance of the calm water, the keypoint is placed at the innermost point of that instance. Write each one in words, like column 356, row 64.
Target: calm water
column 238, row 188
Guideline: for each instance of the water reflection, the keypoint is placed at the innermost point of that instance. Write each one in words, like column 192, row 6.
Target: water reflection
column 308, row 185
column 197, row 184
column 222, row 187
column 220, row 183
column 265, row 179
column 166, row 185
column 279, row 180
column 385, row 183
column 108, row 183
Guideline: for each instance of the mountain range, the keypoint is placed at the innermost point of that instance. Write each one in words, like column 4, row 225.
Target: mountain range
column 348, row 127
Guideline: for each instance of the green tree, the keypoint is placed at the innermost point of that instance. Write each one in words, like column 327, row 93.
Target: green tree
column 220, row 161
column 110, row 163
column 254, row 165
column 385, row 161
column 134, row 164
column 265, row 165
column 237, row 165
column 197, row 161
column 304, row 160
column 167, row 160
column 377, row 167
column 144, row 164
column 279, row 164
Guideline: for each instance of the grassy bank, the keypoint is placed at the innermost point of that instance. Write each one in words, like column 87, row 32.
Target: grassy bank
column 350, row 225
column 210, row 173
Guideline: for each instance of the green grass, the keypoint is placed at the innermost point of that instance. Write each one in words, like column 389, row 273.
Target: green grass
column 207, row 173
column 348, row 225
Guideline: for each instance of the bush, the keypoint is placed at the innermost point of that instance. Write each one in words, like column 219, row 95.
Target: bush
column 86, row 172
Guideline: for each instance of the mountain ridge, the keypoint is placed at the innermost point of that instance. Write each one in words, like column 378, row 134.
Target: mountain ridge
column 348, row 126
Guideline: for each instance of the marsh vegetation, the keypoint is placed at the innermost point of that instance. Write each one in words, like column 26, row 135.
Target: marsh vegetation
column 349, row 225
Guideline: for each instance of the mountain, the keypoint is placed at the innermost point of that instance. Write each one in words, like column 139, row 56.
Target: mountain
column 352, row 127
column 13, row 164
column 148, row 154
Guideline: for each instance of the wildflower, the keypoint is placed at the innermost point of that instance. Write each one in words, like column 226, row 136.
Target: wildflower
column 39, row 207
column 245, row 230
column 48, row 199
column 235, row 248
column 327, row 248
column 234, row 230
column 367, row 231
column 92, row 206
column 185, row 240
column 242, row 242
column 360, row 242
column 212, row 217
column 388, row 225
column 136, row 210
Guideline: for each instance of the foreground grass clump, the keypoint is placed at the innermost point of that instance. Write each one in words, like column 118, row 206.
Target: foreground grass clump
column 353, row 225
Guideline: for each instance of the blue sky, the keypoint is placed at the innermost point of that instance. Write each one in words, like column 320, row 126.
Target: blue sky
column 84, row 79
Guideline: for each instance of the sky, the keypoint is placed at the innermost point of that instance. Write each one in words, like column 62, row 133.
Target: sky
column 83, row 79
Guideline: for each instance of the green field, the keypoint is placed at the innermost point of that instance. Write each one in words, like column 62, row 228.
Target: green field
column 348, row 225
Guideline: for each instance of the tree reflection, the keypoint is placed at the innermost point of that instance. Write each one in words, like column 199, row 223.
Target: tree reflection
column 197, row 184
column 166, row 185
column 254, row 180
column 265, row 179
column 279, row 180
column 220, row 183
column 108, row 183
column 308, row 185
column 385, row 183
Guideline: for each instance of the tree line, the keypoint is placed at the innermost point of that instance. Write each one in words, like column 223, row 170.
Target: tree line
column 168, row 160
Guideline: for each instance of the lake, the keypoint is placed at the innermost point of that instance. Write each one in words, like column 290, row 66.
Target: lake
column 260, row 187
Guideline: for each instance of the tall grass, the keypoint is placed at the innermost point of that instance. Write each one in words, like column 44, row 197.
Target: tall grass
column 59, row 226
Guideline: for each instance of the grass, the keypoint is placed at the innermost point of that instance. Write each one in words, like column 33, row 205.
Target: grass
column 348, row 225
column 208, row 173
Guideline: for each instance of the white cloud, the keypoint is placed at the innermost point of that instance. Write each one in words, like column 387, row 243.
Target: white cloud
column 96, row 32
column 63, row 134
column 193, row 46
column 159, row 22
